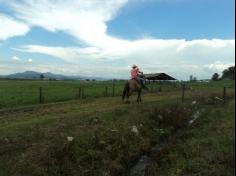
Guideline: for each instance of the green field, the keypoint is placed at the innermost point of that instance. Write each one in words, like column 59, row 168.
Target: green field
column 22, row 92
column 26, row 92
column 109, row 137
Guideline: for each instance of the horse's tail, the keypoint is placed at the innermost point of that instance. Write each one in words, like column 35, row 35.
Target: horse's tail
column 125, row 91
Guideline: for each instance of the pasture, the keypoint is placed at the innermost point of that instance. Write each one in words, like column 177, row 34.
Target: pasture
column 105, row 137
column 27, row 92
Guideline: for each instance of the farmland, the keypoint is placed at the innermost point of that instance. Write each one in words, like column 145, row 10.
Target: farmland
column 26, row 92
column 22, row 92
column 105, row 137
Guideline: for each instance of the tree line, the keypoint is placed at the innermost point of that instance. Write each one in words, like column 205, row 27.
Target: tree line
column 228, row 73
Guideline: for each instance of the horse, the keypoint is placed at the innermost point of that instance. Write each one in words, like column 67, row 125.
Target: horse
column 130, row 87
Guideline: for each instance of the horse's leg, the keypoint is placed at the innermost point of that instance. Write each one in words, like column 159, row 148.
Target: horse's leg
column 140, row 92
column 123, row 95
column 125, row 91
column 138, row 98
column 127, row 97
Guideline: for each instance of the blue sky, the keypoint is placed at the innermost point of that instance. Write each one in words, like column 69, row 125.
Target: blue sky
column 104, row 38
column 192, row 19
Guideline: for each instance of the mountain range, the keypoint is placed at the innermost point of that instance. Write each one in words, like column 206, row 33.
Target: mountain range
column 47, row 75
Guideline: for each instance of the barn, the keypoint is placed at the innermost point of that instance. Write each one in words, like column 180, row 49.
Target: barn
column 159, row 77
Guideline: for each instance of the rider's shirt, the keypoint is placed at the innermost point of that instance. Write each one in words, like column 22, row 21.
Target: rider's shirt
column 134, row 73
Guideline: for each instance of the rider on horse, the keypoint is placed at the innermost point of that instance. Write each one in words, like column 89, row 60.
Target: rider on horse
column 137, row 75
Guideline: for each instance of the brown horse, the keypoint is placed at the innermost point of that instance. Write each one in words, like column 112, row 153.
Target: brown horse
column 130, row 87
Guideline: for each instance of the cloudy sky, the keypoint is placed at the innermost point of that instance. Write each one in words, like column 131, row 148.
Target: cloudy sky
column 105, row 37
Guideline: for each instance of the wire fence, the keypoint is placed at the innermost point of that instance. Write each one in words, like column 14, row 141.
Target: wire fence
column 49, row 92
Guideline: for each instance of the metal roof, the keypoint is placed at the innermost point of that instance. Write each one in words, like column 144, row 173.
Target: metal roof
column 158, row 76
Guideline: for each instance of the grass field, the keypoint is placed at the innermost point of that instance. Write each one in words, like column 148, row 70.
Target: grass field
column 104, row 137
column 208, row 148
column 26, row 92
column 22, row 92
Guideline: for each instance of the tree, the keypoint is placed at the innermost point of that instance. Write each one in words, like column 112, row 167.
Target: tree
column 194, row 79
column 191, row 78
column 42, row 76
column 229, row 73
column 215, row 77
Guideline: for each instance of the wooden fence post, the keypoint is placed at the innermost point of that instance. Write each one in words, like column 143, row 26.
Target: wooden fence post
column 183, row 91
column 113, row 88
column 106, row 91
column 40, row 95
column 83, row 94
column 224, row 94
column 79, row 93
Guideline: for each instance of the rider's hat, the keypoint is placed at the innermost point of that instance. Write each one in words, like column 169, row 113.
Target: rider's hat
column 134, row 66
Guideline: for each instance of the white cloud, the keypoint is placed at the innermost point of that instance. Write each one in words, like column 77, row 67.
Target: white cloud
column 16, row 58
column 152, row 51
column 30, row 60
column 218, row 66
column 87, row 22
column 194, row 57
column 9, row 27
column 69, row 54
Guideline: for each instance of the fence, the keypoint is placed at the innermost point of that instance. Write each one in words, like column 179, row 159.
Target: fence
column 52, row 93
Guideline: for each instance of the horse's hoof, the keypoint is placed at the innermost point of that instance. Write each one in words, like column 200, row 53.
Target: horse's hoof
column 127, row 102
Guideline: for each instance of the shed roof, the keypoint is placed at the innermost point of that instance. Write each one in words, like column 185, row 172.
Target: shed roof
column 158, row 76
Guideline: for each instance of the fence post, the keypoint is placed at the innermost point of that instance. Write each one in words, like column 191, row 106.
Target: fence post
column 113, row 87
column 224, row 94
column 40, row 95
column 79, row 93
column 106, row 91
column 183, row 91
column 83, row 94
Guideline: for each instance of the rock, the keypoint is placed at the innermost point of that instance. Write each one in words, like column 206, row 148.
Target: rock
column 134, row 129
column 114, row 130
column 70, row 139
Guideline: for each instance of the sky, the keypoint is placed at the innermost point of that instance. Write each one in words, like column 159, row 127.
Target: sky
column 104, row 38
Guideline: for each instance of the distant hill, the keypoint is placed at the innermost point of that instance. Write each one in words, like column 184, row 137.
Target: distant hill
column 47, row 75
